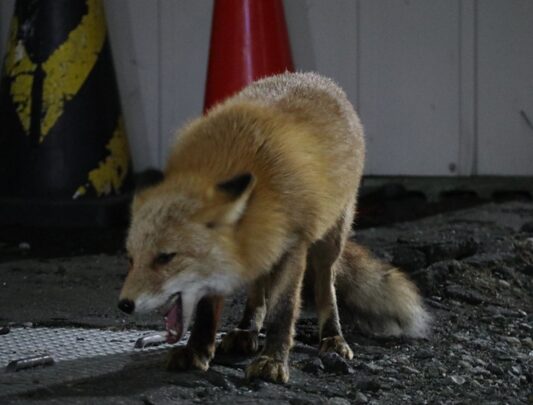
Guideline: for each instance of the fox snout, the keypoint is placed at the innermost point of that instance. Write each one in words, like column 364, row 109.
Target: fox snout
column 127, row 306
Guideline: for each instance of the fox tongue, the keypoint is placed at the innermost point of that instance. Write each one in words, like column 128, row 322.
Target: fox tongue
column 174, row 321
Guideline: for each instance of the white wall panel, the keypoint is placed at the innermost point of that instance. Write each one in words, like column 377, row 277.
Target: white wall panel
column 409, row 78
column 323, row 38
column 505, row 85
column 443, row 87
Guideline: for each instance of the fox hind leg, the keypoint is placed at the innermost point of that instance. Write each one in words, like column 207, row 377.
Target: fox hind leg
column 244, row 339
column 323, row 259
column 283, row 303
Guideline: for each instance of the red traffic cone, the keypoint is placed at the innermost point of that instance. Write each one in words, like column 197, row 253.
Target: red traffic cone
column 248, row 41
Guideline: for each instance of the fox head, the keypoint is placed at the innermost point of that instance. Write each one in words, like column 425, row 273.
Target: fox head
column 181, row 247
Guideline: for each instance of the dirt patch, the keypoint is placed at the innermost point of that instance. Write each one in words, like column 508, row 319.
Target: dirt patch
column 474, row 267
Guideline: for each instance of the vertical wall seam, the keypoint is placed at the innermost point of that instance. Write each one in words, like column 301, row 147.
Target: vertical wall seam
column 461, row 138
column 159, row 87
column 358, row 54
column 466, row 90
column 475, row 158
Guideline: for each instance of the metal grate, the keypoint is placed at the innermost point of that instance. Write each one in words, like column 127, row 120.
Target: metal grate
column 67, row 343
column 78, row 353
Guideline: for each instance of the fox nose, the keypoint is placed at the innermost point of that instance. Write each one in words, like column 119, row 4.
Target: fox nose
column 126, row 305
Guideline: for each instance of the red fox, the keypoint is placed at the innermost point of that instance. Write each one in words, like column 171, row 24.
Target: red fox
column 257, row 192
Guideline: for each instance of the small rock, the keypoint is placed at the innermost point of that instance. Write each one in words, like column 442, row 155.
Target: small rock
column 372, row 367
column 258, row 384
column 527, row 227
column 301, row 401
column 504, row 312
column 494, row 369
column 219, row 380
column 525, row 326
column 433, row 371
column 458, row 379
column 528, row 342
column 410, row 370
column 338, row 401
column 334, row 363
column 368, row 385
column 466, row 365
column 360, row 398
column 462, row 294
column 511, row 340
column 423, row 354
column 504, row 284
column 147, row 401
column 480, row 362
column 480, row 371
column 24, row 246
column 461, row 337
column 312, row 366
column 516, row 370
column 5, row 330
column 505, row 272
column 527, row 270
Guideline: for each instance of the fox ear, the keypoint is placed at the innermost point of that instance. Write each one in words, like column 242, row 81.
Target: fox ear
column 238, row 185
column 238, row 189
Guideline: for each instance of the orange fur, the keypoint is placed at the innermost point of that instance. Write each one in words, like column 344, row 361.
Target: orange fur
column 257, row 190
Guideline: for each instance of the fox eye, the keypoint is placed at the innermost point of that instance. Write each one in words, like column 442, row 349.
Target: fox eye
column 163, row 258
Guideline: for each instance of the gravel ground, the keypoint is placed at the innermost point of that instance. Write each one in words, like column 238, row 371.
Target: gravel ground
column 475, row 268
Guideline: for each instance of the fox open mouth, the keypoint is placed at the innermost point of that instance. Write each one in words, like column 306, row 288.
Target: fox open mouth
column 174, row 320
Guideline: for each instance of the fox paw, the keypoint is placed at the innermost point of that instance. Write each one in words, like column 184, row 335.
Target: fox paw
column 338, row 345
column 268, row 369
column 184, row 358
column 240, row 341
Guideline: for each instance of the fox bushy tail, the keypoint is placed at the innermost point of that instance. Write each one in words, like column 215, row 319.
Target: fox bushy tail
column 382, row 299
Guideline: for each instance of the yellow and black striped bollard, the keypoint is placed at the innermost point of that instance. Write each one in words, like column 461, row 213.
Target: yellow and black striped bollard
column 63, row 150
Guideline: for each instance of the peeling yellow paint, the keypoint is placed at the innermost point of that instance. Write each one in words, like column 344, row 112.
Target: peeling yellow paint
column 19, row 66
column 111, row 173
column 66, row 69
column 69, row 66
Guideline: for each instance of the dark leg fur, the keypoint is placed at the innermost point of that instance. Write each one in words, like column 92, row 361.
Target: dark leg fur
column 244, row 339
column 283, row 306
column 322, row 260
column 200, row 348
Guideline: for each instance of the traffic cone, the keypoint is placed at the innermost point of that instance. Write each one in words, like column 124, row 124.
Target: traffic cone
column 64, row 156
column 249, row 40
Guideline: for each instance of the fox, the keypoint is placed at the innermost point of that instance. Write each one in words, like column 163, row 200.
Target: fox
column 260, row 192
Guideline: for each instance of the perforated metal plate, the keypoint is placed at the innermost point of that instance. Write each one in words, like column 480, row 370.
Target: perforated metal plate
column 78, row 353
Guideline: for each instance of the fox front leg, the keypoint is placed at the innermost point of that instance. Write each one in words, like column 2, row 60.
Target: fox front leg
column 283, row 305
column 200, row 348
